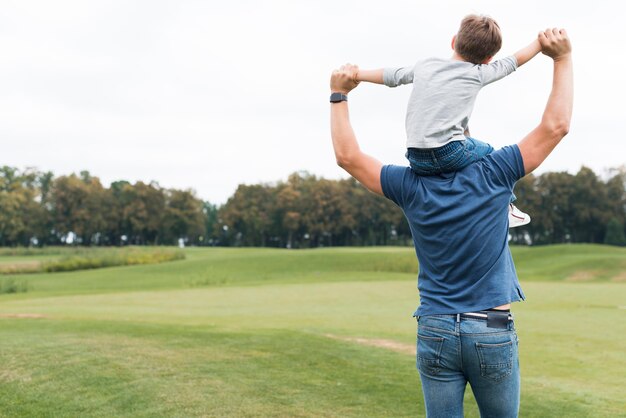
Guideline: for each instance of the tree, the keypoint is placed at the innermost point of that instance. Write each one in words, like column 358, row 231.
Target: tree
column 323, row 212
column 304, row 211
column 248, row 212
column 590, row 209
column 288, row 213
column 23, row 215
column 183, row 217
column 555, row 216
column 211, row 224
column 78, row 207
column 616, row 196
column 615, row 233
column 40, row 214
column 11, row 221
column 118, row 196
column 143, row 207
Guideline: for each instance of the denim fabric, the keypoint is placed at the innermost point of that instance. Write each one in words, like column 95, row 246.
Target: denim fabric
column 451, row 157
column 450, row 354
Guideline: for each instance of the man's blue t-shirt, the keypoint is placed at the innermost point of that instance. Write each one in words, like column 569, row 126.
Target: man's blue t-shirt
column 459, row 223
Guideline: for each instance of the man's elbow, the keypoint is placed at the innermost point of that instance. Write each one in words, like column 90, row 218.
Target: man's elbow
column 343, row 162
column 558, row 128
column 344, row 157
column 562, row 128
column 347, row 161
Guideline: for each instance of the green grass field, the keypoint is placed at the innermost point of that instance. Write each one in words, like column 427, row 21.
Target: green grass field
column 306, row 333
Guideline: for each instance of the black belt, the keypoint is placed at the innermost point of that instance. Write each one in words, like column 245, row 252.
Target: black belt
column 494, row 319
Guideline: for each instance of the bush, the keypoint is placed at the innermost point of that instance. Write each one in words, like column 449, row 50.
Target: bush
column 29, row 251
column 20, row 268
column 85, row 258
column 112, row 258
column 13, row 286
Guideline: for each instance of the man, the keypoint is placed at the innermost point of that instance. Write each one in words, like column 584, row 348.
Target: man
column 459, row 223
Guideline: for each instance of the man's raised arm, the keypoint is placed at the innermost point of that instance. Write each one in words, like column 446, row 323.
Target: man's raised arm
column 361, row 166
column 537, row 145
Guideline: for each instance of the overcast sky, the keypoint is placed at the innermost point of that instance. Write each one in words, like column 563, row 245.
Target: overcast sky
column 207, row 95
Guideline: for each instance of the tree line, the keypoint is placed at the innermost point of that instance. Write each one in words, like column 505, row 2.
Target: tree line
column 37, row 208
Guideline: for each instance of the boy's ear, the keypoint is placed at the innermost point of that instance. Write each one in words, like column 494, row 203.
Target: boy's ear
column 486, row 61
column 453, row 42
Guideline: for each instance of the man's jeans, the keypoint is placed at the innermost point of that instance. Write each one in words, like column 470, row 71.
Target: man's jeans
column 452, row 351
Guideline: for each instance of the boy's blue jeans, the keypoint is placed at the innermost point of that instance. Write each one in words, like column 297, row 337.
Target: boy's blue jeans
column 453, row 156
column 453, row 351
column 448, row 158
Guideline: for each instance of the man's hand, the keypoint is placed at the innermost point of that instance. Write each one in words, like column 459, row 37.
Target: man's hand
column 555, row 43
column 349, row 156
column 343, row 80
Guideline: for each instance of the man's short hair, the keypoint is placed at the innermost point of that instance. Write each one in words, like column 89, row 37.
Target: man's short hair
column 478, row 39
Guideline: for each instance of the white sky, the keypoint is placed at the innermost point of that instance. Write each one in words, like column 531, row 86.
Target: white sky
column 208, row 95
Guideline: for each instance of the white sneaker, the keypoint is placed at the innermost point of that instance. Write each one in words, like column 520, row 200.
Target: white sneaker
column 517, row 217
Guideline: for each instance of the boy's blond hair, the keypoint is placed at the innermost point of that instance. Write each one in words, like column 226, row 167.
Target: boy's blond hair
column 478, row 39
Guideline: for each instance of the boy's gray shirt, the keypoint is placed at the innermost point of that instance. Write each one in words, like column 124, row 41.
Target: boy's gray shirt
column 443, row 96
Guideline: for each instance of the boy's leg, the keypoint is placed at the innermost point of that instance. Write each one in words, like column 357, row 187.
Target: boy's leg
column 477, row 149
column 469, row 151
column 516, row 216
column 431, row 161
column 423, row 161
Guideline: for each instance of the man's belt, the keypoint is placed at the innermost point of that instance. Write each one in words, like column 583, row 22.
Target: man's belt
column 494, row 319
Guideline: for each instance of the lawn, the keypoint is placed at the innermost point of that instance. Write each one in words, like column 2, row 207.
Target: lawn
column 307, row 333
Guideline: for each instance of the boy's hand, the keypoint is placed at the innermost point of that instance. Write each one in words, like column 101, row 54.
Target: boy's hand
column 343, row 80
column 555, row 43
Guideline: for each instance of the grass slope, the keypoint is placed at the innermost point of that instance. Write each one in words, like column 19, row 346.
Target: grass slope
column 236, row 267
column 245, row 333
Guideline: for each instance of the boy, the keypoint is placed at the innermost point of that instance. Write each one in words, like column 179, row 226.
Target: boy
column 444, row 92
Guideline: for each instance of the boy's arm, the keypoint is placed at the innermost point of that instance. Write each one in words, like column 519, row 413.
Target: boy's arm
column 391, row 77
column 527, row 53
column 499, row 69
column 370, row 76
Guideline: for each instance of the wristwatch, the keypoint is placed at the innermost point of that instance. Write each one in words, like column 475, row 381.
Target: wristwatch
column 338, row 97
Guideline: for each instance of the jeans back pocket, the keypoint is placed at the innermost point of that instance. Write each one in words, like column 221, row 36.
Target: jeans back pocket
column 496, row 360
column 429, row 354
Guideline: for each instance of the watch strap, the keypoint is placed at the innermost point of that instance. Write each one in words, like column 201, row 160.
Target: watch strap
column 338, row 97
